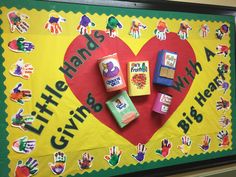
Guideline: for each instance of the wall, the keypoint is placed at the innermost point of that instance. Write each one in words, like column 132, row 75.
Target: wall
column 231, row 3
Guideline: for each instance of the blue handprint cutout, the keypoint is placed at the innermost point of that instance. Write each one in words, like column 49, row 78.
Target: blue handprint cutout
column 141, row 151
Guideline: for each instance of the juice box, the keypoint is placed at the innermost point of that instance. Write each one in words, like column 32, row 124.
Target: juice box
column 138, row 78
column 122, row 109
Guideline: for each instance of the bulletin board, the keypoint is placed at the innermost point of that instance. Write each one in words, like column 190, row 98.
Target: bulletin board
column 55, row 118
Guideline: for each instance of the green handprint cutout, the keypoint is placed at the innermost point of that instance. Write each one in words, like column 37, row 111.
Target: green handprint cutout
column 20, row 121
column 114, row 157
column 23, row 145
column 111, row 28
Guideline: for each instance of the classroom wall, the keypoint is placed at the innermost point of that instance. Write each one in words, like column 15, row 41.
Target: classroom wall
column 231, row 3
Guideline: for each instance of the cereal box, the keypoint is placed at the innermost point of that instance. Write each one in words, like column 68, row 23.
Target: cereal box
column 138, row 78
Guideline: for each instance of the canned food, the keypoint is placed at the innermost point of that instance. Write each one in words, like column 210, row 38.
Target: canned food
column 162, row 103
column 111, row 73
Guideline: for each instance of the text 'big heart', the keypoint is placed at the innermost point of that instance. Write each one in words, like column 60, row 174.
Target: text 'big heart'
column 87, row 79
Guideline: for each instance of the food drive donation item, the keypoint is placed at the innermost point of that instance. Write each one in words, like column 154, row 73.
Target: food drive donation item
column 122, row 109
column 111, row 73
column 165, row 68
column 162, row 103
column 138, row 78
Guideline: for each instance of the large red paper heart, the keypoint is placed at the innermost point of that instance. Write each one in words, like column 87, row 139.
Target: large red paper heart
column 87, row 79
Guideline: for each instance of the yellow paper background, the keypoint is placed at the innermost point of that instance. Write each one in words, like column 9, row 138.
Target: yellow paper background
column 93, row 136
